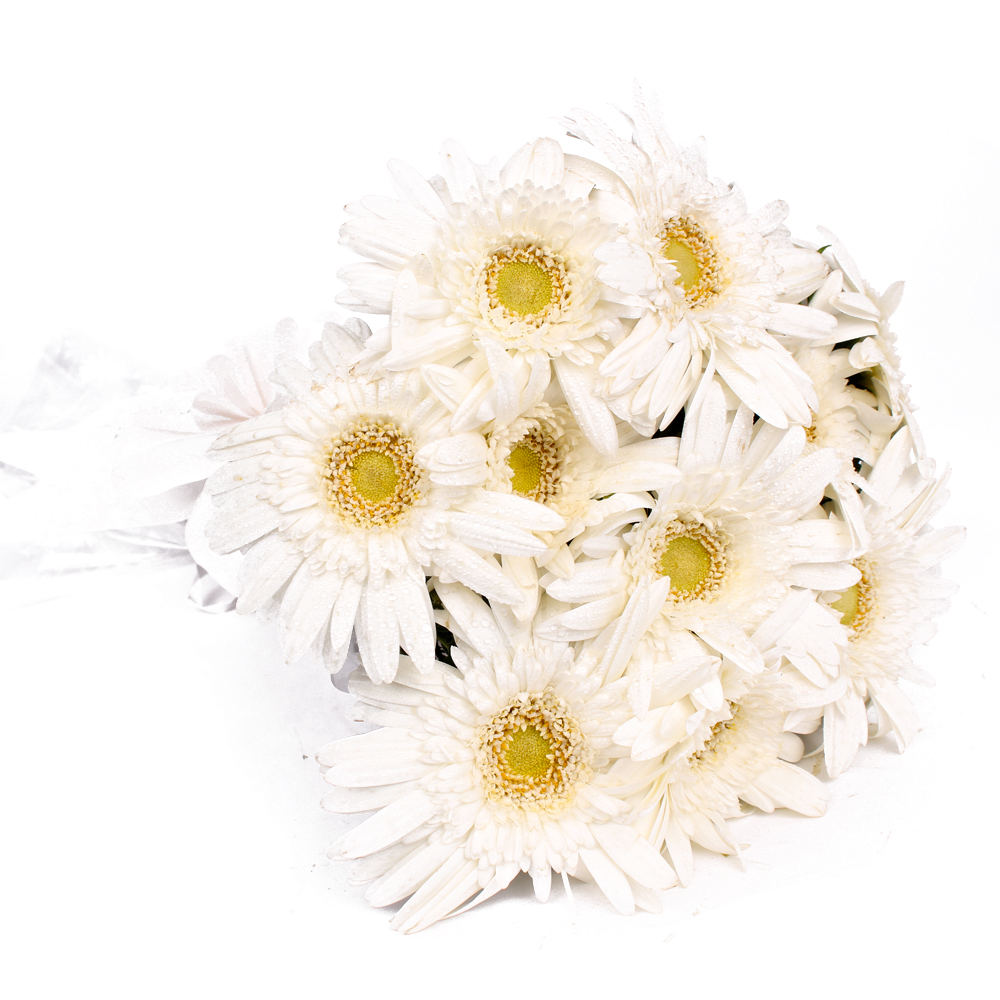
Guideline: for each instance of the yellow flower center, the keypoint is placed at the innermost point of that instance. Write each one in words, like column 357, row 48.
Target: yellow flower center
column 523, row 288
column 715, row 744
column 528, row 753
column 693, row 555
column 534, row 465
column 373, row 474
column 525, row 283
column 532, row 754
column 526, row 464
column 371, row 477
column 687, row 562
column 691, row 250
column 688, row 269
column 857, row 604
column 847, row 605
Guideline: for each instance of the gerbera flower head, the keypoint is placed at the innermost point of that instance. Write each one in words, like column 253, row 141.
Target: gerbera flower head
column 715, row 737
column 838, row 421
column 517, row 266
column 497, row 766
column 708, row 279
column 863, row 316
column 493, row 263
column 543, row 455
column 347, row 496
column 893, row 604
column 716, row 551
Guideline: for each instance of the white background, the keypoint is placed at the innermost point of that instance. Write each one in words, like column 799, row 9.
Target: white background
column 173, row 178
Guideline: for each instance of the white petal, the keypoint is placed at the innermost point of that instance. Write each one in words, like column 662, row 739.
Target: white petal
column 820, row 541
column 492, row 535
column 370, row 773
column 845, row 729
column 679, row 847
column 517, row 510
column 801, row 321
column 472, row 615
column 306, row 607
column 419, row 192
column 266, row 574
column 731, row 641
column 634, row 855
column 240, row 519
column 344, row 613
column 375, row 865
column 450, row 386
column 609, row 879
column 355, row 800
column 896, row 709
column 389, row 744
column 597, row 614
column 474, row 571
column 386, row 827
column 756, row 396
column 823, row 575
column 416, row 619
column 459, row 452
column 405, row 879
column 591, row 412
column 426, row 348
column 447, row 888
column 378, row 633
column 794, row 788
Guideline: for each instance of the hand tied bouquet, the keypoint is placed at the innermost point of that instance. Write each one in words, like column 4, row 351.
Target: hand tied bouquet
column 622, row 517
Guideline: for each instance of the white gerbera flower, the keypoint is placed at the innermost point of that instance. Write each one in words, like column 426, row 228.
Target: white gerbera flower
column 348, row 496
column 493, row 264
column 489, row 770
column 711, row 741
column 720, row 548
column 836, row 421
column 708, row 279
column 862, row 316
column 855, row 371
column 543, row 455
column 848, row 418
column 892, row 605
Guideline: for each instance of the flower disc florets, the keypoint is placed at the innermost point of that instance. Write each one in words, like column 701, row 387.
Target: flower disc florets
column 524, row 282
column 689, row 247
column 531, row 754
column 371, row 476
column 857, row 604
column 688, row 550
column 715, row 744
column 534, row 463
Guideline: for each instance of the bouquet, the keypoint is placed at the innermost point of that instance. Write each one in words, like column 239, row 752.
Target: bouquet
column 619, row 521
